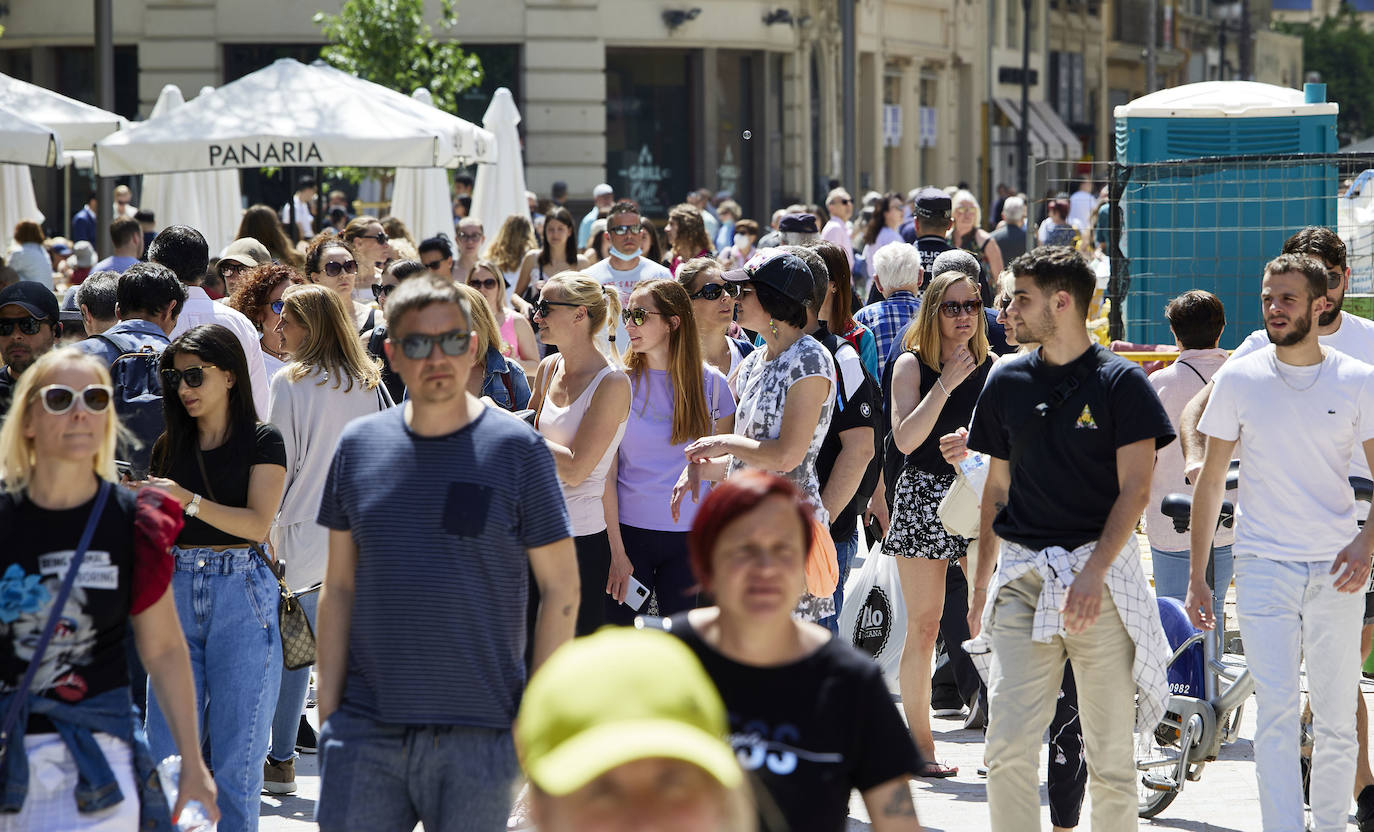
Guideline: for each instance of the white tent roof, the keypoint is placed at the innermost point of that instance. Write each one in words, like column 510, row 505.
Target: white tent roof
column 79, row 124
column 420, row 196
column 25, row 142
column 1224, row 99
column 284, row 115
column 500, row 188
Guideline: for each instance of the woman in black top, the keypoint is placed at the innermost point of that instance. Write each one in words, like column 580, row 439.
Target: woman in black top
column 227, row 471
column 935, row 384
column 810, row 716
column 57, row 453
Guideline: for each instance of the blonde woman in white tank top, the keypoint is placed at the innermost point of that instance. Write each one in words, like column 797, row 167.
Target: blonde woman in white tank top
column 582, row 399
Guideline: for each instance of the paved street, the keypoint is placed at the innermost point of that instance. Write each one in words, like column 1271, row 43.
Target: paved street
column 1226, row 798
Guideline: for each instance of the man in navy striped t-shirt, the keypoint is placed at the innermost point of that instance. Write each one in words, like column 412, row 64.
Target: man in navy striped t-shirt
column 438, row 511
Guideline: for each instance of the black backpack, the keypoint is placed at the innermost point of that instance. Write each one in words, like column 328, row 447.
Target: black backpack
column 834, row 343
column 138, row 400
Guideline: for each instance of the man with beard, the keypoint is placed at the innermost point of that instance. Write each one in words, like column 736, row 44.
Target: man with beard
column 30, row 323
column 1353, row 336
column 1302, row 562
column 1071, row 431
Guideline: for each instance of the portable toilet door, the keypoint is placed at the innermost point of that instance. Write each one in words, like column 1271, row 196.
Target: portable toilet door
column 1212, row 190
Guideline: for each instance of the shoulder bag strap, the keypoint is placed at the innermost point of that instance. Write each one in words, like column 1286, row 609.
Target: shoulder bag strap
column 1194, row 369
column 17, row 704
column 1062, row 393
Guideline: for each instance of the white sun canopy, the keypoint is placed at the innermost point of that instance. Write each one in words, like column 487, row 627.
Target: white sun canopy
column 26, row 142
column 286, row 115
column 78, row 124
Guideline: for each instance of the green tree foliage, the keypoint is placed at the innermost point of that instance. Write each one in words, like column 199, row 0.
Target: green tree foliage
column 388, row 42
column 1342, row 51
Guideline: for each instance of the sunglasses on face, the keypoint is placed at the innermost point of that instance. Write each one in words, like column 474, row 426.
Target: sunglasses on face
column 842, row 200
column 713, row 291
column 1334, row 278
column 380, row 237
column 418, row 347
column 470, row 237
column 193, row 376
column 434, row 265
column 59, row 398
column 542, row 308
column 28, row 326
column 335, row 269
column 622, row 230
column 381, row 290
column 488, row 283
column 952, row 308
column 278, row 306
column 637, row 316
column 230, row 269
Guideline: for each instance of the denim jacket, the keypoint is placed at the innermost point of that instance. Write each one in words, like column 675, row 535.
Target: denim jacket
column 500, row 370
column 108, row 713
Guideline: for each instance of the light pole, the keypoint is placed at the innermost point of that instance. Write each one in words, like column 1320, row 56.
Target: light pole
column 104, row 93
column 1023, row 137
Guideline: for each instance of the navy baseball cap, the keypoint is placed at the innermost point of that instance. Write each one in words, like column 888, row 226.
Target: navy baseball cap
column 34, row 298
column 799, row 223
column 933, row 204
column 780, row 270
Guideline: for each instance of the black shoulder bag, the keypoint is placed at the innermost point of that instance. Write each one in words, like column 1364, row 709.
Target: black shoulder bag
column 21, row 693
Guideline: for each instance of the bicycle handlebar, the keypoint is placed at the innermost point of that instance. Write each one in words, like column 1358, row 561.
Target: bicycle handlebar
column 1179, row 507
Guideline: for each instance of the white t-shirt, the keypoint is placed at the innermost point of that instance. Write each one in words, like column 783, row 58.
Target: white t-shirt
column 1354, row 337
column 1298, row 427
column 626, row 281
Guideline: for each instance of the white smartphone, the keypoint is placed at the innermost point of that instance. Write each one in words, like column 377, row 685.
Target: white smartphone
column 635, row 594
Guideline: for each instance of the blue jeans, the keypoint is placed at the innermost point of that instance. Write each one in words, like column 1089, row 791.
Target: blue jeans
column 376, row 776
column 227, row 604
column 845, row 550
column 295, row 684
column 1171, row 574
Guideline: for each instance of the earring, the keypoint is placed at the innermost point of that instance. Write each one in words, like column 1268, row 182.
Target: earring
column 773, row 327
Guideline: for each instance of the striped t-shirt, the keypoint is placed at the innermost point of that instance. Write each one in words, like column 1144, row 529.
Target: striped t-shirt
column 442, row 525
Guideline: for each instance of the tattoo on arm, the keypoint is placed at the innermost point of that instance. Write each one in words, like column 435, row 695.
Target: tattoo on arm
column 567, row 610
column 999, row 505
column 900, row 805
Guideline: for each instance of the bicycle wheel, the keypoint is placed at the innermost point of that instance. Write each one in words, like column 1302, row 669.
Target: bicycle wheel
column 1150, row 801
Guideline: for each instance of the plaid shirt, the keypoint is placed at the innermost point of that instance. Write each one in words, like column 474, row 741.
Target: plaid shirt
column 887, row 318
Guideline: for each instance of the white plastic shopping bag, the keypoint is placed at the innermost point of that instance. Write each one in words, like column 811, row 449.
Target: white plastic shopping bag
column 874, row 614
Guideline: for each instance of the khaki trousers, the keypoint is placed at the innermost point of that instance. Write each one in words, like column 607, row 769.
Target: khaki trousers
column 1023, row 683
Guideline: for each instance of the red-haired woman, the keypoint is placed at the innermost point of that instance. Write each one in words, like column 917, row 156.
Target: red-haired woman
column 810, row 716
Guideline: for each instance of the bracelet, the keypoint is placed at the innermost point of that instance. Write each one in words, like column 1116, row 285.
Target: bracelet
column 941, row 382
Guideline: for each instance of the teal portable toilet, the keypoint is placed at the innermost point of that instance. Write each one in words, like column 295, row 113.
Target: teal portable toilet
column 1213, row 185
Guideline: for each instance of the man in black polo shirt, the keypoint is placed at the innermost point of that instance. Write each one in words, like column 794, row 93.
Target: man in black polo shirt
column 1071, row 430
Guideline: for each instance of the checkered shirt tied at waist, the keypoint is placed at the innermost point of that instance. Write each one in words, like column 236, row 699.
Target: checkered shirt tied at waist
column 1131, row 594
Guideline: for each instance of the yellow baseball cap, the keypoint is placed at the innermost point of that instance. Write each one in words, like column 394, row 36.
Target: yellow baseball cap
column 618, row 696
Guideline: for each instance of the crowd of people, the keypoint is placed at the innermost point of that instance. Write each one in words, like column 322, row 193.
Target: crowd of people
column 605, row 484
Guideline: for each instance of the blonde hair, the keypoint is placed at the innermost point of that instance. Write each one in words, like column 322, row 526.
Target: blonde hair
column 17, row 458
column 601, row 302
column 967, row 196
column 331, row 346
column 691, row 413
column 495, row 271
column 924, row 335
column 483, row 322
column 515, row 237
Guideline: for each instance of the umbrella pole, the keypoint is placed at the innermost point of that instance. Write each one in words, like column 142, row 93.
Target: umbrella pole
column 67, row 200
column 319, row 200
column 104, row 74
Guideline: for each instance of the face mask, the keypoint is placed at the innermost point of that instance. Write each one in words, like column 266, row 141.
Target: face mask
column 742, row 241
column 620, row 255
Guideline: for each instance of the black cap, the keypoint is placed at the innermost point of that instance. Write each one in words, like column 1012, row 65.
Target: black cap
column 779, row 270
column 933, row 204
column 799, row 223
column 559, row 188
column 35, row 298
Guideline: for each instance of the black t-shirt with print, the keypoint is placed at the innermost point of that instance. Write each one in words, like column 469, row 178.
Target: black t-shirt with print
column 810, row 731
column 86, row 655
column 1065, row 483
column 229, row 467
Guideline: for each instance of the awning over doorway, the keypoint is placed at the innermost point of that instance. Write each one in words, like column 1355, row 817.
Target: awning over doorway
column 1049, row 137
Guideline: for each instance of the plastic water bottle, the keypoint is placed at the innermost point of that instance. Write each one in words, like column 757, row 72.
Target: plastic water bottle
column 193, row 817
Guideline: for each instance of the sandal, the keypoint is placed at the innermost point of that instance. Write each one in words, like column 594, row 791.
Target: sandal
column 936, row 770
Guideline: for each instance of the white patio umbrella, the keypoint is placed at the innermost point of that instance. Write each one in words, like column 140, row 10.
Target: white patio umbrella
column 500, row 188
column 16, row 201
column 420, row 196
column 208, row 201
column 26, row 142
column 78, row 124
column 284, row 115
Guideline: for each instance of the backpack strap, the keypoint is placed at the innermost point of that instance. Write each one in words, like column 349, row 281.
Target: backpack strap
column 1194, row 369
column 1059, row 396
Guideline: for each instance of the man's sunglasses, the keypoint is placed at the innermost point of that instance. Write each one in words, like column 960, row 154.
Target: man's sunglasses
column 335, row 269
column 381, row 290
column 713, row 291
column 952, row 308
column 843, row 200
column 232, row 267
column 418, row 347
column 434, row 265
column 636, row 316
column 28, row 326
column 1334, row 278
column 193, row 376
column 542, row 308
column 380, row 237
column 59, row 398
column 622, row 230
column 488, row 283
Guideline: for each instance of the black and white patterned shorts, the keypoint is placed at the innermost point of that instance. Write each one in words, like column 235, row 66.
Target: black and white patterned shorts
column 916, row 530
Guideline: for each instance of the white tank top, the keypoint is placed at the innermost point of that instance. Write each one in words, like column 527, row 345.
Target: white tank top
column 560, row 424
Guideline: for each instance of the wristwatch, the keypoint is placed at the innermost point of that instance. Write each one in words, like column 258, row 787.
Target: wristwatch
column 193, row 507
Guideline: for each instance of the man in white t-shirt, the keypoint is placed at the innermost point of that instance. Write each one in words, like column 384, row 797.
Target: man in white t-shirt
column 1302, row 563
column 625, row 268
column 1353, row 336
